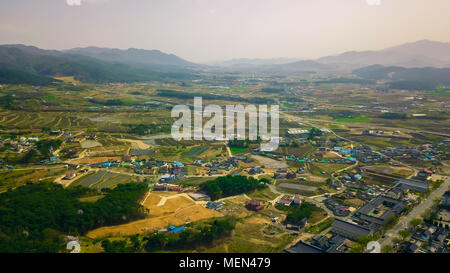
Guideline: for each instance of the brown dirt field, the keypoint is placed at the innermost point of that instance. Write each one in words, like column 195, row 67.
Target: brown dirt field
column 136, row 144
column 170, row 206
column 313, row 178
column 390, row 170
column 332, row 155
column 177, row 210
column 270, row 163
column 236, row 207
column 151, row 201
column 88, row 144
column 183, row 215
column 95, row 160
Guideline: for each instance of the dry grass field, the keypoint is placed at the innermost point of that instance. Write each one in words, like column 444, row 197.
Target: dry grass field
column 165, row 209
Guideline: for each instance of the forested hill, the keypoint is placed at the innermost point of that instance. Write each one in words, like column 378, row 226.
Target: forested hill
column 425, row 78
column 34, row 218
column 15, row 60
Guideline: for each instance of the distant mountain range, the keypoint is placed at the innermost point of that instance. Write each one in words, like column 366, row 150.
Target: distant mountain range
column 95, row 65
column 421, row 78
column 133, row 56
column 20, row 63
column 419, row 54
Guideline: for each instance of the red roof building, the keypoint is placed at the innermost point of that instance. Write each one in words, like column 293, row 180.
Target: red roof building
column 254, row 205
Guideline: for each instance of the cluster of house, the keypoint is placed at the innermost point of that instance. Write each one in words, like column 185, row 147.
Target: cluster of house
column 225, row 164
column 294, row 158
column 381, row 133
column 426, row 152
column 430, row 236
column 115, row 163
column 425, row 174
column 284, row 173
column 255, row 170
column 22, row 145
column 339, row 240
column 172, row 172
column 427, row 238
column 368, row 219
column 361, row 153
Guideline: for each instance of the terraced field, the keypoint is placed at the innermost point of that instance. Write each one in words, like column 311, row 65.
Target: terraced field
column 30, row 120
column 102, row 179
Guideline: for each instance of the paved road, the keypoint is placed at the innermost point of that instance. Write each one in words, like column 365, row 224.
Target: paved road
column 415, row 213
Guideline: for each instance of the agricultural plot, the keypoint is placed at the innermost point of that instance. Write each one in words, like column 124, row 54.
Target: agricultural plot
column 30, row 120
column 88, row 144
column 16, row 178
column 270, row 163
column 263, row 195
column 355, row 119
column 196, row 151
column 186, row 152
column 102, row 179
column 389, row 170
column 297, row 187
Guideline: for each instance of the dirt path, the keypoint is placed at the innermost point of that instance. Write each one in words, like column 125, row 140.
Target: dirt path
column 229, row 152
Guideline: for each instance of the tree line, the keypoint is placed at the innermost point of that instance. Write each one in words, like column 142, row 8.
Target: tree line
column 225, row 186
column 33, row 218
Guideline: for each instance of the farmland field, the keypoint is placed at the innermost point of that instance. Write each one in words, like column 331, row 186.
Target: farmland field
column 356, row 119
column 102, row 179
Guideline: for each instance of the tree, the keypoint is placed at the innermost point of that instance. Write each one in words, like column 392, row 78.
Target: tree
column 314, row 132
column 387, row 249
column 404, row 233
column 32, row 215
column 415, row 222
column 136, row 242
column 155, row 242
column 231, row 185
column 29, row 156
column 115, row 246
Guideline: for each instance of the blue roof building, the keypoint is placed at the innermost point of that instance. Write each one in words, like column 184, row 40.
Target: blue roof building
column 178, row 229
column 179, row 164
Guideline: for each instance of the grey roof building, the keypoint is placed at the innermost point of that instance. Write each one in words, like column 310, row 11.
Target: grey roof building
column 378, row 211
column 413, row 185
column 446, row 199
column 350, row 230
column 302, row 247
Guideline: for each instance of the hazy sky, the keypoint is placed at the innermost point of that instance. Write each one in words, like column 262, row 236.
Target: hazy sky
column 210, row 30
